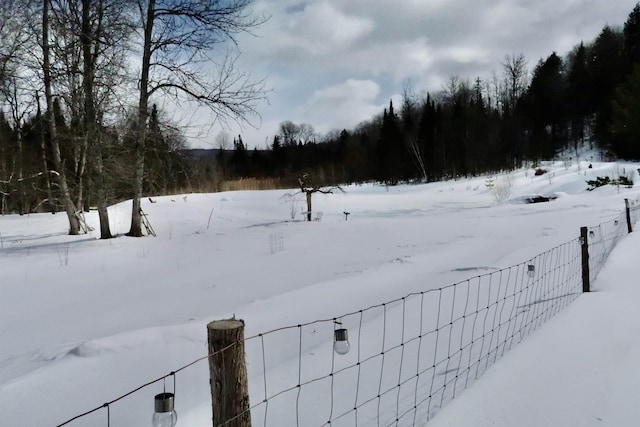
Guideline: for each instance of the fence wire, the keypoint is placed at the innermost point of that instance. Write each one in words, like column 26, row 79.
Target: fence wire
column 408, row 357
column 603, row 237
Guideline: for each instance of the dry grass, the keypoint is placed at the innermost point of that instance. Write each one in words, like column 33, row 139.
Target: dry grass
column 243, row 184
column 252, row 184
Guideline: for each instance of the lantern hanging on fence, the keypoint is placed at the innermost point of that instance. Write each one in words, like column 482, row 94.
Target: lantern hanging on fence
column 164, row 415
column 531, row 270
column 341, row 341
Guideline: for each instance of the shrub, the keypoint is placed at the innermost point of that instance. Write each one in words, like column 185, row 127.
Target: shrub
column 600, row 181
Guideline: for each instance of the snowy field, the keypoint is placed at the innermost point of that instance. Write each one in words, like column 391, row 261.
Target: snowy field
column 83, row 321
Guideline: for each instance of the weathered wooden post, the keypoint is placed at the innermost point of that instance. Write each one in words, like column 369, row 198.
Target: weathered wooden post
column 627, row 209
column 585, row 258
column 228, row 374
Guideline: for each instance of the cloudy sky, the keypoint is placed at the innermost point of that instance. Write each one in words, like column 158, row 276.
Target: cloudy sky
column 335, row 63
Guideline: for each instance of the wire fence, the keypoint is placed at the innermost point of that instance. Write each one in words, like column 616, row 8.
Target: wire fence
column 408, row 357
column 603, row 237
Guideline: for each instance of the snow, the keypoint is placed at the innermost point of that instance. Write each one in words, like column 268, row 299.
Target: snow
column 580, row 369
column 83, row 321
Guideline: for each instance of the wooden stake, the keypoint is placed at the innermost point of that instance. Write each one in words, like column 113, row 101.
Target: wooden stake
column 228, row 374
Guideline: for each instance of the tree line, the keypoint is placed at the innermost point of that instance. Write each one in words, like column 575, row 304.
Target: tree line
column 71, row 137
column 589, row 96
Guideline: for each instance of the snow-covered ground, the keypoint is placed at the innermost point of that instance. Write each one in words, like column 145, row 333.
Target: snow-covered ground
column 83, row 321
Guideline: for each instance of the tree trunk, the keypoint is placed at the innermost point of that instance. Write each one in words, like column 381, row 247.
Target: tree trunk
column 93, row 140
column 143, row 106
column 23, row 196
column 45, row 166
column 74, row 223
column 308, row 193
column 138, row 181
column 80, row 170
column 101, row 196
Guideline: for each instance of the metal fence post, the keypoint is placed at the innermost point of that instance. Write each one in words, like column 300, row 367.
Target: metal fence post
column 585, row 258
column 228, row 374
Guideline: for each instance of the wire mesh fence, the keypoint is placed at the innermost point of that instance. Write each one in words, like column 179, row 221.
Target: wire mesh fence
column 408, row 357
column 604, row 237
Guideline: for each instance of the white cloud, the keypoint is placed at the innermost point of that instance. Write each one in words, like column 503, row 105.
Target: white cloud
column 343, row 105
column 322, row 25
column 330, row 61
column 466, row 54
column 297, row 31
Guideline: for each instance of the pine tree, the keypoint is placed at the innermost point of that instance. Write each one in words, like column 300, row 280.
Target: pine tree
column 606, row 68
column 632, row 38
column 625, row 126
column 546, row 104
column 391, row 149
column 579, row 103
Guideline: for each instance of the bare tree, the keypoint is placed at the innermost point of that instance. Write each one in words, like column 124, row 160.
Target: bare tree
column 223, row 140
column 103, row 31
column 69, row 207
column 410, row 121
column 289, row 132
column 516, row 79
column 177, row 39
column 14, row 91
column 308, row 188
column 85, row 54
column 306, row 133
column 13, row 38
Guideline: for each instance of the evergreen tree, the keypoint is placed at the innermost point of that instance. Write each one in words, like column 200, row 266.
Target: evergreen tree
column 632, row 38
column 278, row 157
column 625, row 125
column 546, row 103
column 606, row 69
column 240, row 158
column 427, row 130
column 579, row 103
column 390, row 149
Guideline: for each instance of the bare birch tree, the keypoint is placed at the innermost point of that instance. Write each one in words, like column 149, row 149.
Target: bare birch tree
column 69, row 207
column 410, row 125
column 104, row 31
column 178, row 37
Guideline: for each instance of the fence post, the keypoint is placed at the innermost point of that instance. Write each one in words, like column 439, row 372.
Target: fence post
column 585, row 258
column 228, row 374
column 626, row 205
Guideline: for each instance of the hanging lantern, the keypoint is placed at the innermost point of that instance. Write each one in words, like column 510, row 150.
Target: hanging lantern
column 531, row 270
column 341, row 341
column 164, row 415
column 592, row 233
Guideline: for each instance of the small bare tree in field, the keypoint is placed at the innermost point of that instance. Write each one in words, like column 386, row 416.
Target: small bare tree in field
column 307, row 187
column 502, row 188
column 292, row 200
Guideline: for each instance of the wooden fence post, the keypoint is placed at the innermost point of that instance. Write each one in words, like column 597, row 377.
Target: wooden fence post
column 626, row 205
column 585, row 258
column 228, row 374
